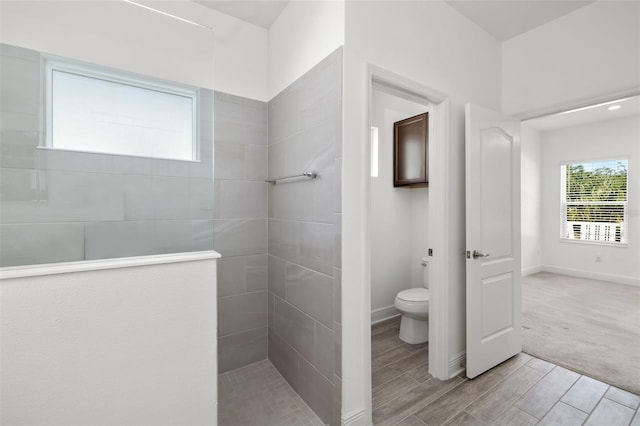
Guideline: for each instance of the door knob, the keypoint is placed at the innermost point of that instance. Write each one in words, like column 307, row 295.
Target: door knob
column 477, row 254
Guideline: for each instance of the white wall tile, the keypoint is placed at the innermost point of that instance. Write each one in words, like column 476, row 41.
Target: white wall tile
column 201, row 235
column 294, row 200
column 310, row 150
column 284, row 239
column 277, row 159
column 236, row 237
column 37, row 243
column 242, row 312
column 242, row 199
column 324, row 195
column 55, row 196
column 18, row 148
column 255, row 162
column 229, row 161
column 316, row 247
column 20, row 85
column 277, row 276
column 310, row 292
column 295, row 327
column 256, row 273
column 200, row 198
column 232, row 278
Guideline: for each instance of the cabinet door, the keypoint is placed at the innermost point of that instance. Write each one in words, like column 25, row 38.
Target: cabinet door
column 410, row 151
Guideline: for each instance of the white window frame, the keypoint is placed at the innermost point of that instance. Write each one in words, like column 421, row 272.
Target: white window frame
column 54, row 63
column 563, row 205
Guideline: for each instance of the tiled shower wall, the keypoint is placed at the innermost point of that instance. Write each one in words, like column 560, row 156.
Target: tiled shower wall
column 240, row 227
column 305, row 134
column 59, row 206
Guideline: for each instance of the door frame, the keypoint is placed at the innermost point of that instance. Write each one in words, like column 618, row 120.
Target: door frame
column 439, row 190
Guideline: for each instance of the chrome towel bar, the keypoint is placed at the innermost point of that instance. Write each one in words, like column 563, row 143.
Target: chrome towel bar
column 311, row 175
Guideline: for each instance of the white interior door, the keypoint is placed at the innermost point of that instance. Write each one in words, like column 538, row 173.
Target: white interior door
column 493, row 238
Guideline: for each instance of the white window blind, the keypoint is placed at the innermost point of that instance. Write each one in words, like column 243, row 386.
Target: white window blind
column 103, row 111
column 594, row 201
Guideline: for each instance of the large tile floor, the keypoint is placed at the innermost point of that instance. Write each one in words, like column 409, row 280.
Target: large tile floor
column 257, row 395
column 521, row 391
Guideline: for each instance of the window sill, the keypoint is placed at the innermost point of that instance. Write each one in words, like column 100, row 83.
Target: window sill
column 594, row 243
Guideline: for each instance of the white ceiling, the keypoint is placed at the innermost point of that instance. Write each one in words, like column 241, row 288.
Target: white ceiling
column 258, row 12
column 628, row 107
column 505, row 19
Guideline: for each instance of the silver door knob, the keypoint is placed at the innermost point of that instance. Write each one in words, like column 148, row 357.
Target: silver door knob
column 477, row 254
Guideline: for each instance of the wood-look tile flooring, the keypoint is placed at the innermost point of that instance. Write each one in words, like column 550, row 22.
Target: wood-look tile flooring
column 523, row 390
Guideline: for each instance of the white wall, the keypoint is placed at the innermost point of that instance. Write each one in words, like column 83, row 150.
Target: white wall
column 305, row 33
column 590, row 53
column 240, row 48
column 128, row 346
column 398, row 215
column 432, row 44
column 142, row 41
column 601, row 140
column 531, row 199
column 146, row 42
column 420, row 240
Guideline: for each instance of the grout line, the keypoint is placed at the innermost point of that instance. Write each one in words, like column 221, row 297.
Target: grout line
column 235, row 370
column 552, row 407
column 303, row 267
column 487, row 391
column 526, row 390
column 408, row 354
column 246, row 331
column 559, row 399
column 595, row 407
column 243, row 294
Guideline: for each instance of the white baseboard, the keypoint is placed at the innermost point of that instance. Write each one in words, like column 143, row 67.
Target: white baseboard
column 457, row 364
column 530, row 271
column 381, row 314
column 619, row 279
column 354, row 418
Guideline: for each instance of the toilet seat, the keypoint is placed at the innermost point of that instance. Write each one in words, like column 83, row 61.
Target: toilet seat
column 414, row 295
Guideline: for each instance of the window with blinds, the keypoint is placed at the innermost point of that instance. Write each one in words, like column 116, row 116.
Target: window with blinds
column 594, row 201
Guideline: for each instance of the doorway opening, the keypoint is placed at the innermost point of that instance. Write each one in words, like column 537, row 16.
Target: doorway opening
column 399, row 245
column 581, row 286
column 424, row 225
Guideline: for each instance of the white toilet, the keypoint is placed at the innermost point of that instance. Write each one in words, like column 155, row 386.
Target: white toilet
column 413, row 304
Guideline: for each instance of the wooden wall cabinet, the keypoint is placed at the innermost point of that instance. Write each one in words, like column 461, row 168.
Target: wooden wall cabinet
column 411, row 151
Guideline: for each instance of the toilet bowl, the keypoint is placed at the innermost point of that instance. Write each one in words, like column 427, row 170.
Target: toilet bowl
column 413, row 304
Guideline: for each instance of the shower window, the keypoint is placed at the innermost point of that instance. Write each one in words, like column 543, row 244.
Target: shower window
column 94, row 109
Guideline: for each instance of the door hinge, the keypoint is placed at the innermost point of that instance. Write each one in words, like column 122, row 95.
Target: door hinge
column 430, row 252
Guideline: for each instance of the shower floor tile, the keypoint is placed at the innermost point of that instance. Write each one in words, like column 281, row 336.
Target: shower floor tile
column 257, row 395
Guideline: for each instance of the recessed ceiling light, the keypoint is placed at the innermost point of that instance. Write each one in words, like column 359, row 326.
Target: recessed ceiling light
column 593, row 106
column 613, row 107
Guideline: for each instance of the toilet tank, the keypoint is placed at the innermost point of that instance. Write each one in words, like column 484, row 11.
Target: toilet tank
column 425, row 272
